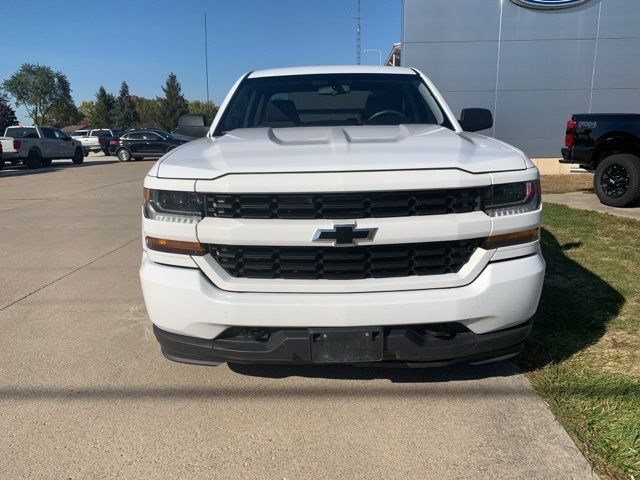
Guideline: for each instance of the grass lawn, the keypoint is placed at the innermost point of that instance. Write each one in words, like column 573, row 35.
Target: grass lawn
column 573, row 182
column 583, row 356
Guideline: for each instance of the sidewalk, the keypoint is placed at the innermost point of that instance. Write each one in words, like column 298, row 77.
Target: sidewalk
column 589, row 201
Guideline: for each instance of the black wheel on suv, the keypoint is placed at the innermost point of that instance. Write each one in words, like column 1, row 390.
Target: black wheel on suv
column 33, row 160
column 617, row 180
column 123, row 154
column 78, row 156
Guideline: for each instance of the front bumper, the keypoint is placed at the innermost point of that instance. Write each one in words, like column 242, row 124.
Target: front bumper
column 183, row 301
column 401, row 344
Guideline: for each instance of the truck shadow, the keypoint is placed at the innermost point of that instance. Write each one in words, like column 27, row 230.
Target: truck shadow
column 575, row 306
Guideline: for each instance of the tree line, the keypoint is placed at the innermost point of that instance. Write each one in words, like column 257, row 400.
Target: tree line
column 46, row 96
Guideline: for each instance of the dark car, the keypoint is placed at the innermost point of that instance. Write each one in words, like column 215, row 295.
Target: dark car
column 138, row 144
column 609, row 145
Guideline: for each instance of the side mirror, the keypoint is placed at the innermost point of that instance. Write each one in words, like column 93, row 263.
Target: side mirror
column 476, row 119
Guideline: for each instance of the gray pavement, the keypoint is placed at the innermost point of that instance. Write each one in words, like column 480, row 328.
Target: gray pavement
column 589, row 201
column 85, row 393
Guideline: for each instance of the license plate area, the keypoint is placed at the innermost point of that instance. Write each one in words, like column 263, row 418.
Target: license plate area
column 346, row 345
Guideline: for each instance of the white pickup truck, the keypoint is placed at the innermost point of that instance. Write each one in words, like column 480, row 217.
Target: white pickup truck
column 38, row 146
column 95, row 140
column 342, row 215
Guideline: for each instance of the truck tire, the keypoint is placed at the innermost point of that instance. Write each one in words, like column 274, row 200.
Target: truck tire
column 86, row 152
column 1, row 164
column 46, row 162
column 78, row 156
column 617, row 180
column 123, row 154
column 34, row 159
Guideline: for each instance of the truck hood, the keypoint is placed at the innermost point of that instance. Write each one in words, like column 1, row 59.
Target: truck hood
column 336, row 149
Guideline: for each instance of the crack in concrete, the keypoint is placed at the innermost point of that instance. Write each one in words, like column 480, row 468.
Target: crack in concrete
column 70, row 273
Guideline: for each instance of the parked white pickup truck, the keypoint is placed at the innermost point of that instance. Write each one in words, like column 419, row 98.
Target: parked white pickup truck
column 342, row 215
column 39, row 146
column 95, row 140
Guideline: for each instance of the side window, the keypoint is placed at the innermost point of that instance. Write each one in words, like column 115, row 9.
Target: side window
column 60, row 135
column 136, row 136
column 48, row 133
column 151, row 136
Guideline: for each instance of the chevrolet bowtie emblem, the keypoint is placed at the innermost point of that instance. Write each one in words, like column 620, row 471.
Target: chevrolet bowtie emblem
column 344, row 235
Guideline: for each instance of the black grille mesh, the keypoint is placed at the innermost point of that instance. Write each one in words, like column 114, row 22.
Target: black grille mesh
column 350, row 263
column 345, row 205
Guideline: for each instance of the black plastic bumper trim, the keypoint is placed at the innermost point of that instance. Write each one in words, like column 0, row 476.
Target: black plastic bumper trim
column 402, row 344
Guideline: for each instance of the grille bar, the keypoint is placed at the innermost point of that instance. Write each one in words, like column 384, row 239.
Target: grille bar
column 346, row 205
column 375, row 261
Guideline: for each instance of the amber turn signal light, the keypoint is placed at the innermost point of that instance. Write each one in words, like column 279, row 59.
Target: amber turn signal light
column 514, row 238
column 175, row 246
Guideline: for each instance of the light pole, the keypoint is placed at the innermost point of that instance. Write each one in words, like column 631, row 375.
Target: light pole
column 375, row 50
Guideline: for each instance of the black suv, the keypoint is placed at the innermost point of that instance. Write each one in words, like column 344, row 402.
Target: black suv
column 141, row 143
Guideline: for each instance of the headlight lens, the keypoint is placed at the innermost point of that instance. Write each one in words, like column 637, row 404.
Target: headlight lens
column 513, row 198
column 173, row 206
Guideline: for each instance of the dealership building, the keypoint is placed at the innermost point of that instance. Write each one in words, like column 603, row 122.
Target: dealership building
column 531, row 62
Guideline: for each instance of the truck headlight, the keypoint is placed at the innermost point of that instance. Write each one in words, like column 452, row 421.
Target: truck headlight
column 173, row 206
column 513, row 198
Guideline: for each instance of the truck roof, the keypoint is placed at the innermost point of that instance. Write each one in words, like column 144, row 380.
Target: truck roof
column 320, row 69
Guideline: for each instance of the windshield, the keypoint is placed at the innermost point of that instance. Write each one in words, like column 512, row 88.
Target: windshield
column 331, row 100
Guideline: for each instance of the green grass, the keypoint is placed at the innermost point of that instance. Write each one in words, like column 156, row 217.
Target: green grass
column 583, row 356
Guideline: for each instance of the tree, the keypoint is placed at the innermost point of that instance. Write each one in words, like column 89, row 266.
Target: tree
column 147, row 110
column 203, row 108
column 172, row 105
column 86, row 108
column 39, row 89
column 7, row 114
column 102, row 114
column 64, row 113
column 125, row 114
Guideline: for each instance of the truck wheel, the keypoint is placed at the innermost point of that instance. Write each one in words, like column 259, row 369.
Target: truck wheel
column 33, row 160
column 46, row 162
column 78, row 156
column 123, row 154
column 617, row 180
column 1, row 164
column 86, row 152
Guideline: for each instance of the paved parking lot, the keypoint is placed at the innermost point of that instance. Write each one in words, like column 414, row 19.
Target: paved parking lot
column 85, row 393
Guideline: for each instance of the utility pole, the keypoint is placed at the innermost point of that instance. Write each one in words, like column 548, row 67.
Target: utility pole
column 206, row 56
column 358, row 51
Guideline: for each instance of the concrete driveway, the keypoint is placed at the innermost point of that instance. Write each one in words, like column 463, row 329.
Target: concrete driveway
column 85, row 392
